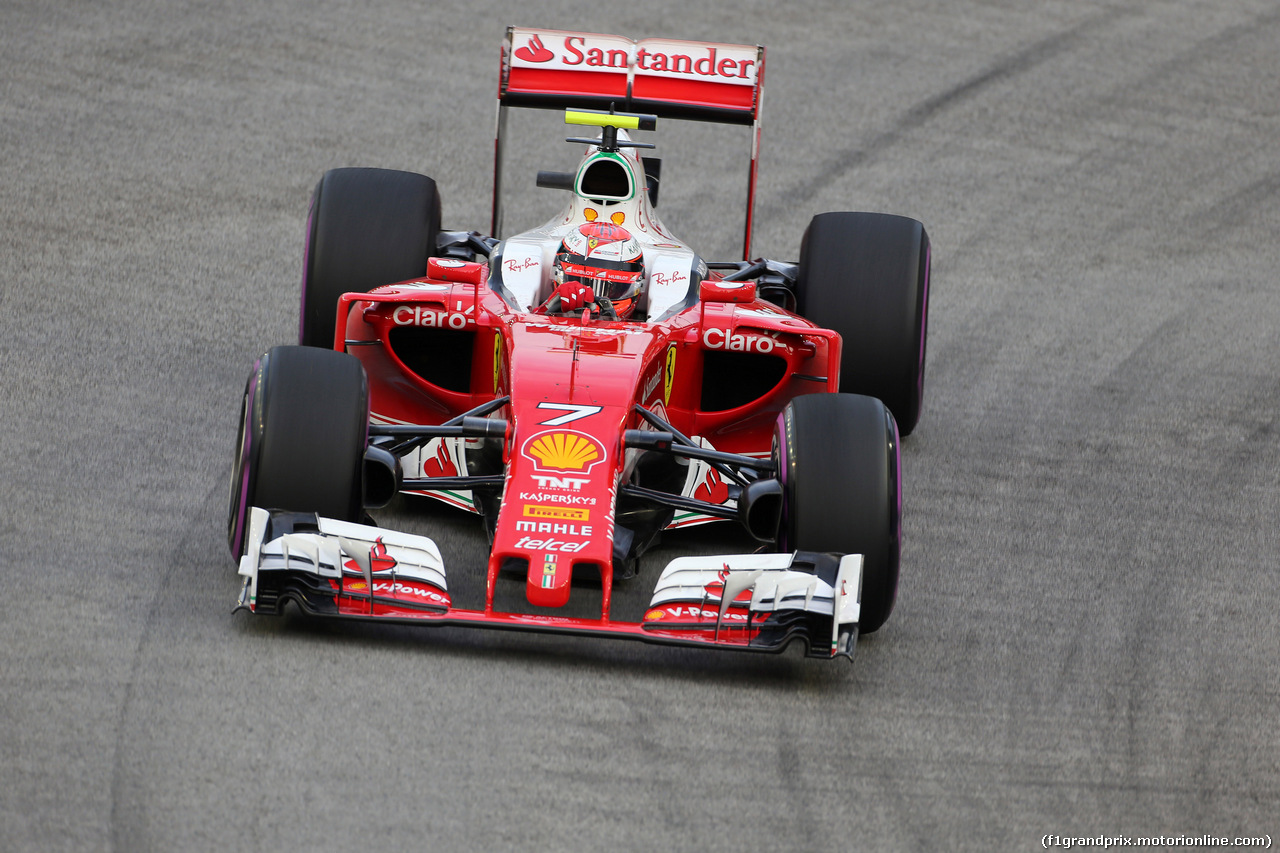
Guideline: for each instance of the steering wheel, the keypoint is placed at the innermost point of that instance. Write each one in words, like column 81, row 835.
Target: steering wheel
column 603, row 303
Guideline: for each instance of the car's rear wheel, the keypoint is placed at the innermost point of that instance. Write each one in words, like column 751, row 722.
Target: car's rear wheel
column 366, row 228
column 303, row 430
column 839, row 465
column 866, row 276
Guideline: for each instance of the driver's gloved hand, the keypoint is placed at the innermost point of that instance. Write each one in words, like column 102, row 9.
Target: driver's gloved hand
column 573, row 295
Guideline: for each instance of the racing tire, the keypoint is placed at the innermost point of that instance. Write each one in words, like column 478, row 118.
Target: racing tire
column 866, row 276
column 838, row 460
column 366, row 228
column 303, row 431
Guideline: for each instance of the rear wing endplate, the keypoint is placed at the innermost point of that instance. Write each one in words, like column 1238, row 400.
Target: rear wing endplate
column 699, row 81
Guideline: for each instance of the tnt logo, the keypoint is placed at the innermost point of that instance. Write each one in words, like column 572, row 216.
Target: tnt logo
column 569, row 484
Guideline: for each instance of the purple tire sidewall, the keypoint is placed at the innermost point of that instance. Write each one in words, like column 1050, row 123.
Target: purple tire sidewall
column 780, row 434
column 244, row 464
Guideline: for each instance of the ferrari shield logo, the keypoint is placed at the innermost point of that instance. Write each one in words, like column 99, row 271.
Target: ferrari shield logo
column 668, row 375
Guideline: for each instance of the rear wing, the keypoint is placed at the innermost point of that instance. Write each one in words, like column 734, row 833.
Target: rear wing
column 700, row 81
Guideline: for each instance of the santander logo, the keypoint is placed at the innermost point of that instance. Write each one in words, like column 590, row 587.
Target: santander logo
column 687, row 60
column 534, row 51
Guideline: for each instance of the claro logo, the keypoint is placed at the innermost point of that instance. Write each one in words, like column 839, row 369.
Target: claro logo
column 720, row 339
column 417, row 315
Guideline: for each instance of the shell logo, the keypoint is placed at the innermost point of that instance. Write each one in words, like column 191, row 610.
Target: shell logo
column 563, row 451
column 655, row 615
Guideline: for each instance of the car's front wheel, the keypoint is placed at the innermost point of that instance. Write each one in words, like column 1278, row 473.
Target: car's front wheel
column 838, row 461
column 303, row 430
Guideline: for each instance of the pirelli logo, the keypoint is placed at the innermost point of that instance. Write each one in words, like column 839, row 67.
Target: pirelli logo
column 559, row 513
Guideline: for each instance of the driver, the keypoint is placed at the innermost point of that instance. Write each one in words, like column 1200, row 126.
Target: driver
column 599, row 263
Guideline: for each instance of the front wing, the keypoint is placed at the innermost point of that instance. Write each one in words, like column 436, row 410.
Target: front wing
column 748, row 602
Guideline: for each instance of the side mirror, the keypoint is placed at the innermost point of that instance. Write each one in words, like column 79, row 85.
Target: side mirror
column 452, row 269
column 726, row 291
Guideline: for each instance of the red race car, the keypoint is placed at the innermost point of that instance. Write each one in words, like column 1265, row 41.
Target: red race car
column 587, row 385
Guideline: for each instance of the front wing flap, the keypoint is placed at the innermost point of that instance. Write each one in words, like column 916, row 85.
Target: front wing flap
column 339, row 568
column 748, row 602
column 762, row 600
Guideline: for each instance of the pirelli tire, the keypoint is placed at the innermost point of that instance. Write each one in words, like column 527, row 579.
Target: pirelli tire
column 866, row 276
column 838, row 461
column 303, row 431
column 366, row 228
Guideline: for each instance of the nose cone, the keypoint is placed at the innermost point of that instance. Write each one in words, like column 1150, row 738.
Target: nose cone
column 548, row 582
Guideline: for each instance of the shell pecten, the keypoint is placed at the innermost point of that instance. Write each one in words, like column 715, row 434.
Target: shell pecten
column 564, row 451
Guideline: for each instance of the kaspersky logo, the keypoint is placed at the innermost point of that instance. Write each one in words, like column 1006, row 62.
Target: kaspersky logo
column 563, row 452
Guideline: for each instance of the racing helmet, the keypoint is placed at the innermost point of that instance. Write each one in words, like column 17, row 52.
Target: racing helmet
column 605, row 258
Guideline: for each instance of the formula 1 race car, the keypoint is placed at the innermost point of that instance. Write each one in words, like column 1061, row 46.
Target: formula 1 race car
column 587, row 385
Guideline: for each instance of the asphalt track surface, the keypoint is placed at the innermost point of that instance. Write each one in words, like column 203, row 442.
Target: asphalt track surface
column 1085, row 641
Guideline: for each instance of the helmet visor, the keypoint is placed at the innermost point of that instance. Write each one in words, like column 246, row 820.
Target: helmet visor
column 613, row 280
